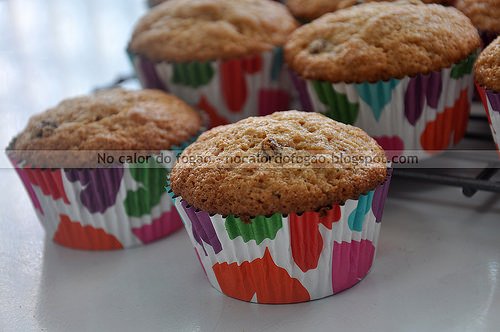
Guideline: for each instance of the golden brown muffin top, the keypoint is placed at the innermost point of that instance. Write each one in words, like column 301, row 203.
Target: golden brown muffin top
column 202, row 30
column 380, row 41
column 312, row 9
column 111, row 120
column 219, row 172
column 484, row 14
column 487, row 67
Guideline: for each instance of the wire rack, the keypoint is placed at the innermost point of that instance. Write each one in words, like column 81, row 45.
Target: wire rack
column 470, row 181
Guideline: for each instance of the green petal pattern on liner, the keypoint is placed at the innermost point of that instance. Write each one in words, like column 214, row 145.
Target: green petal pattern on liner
column 151, row 177
column 193, row 74
column 464, row 67
column 258, row 229
column 339, row 107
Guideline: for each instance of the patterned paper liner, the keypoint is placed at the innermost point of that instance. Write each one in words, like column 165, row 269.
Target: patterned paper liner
column 227, row 90
column 425, row 112
column 491, row 102
column 102, row 208
column 287, row 258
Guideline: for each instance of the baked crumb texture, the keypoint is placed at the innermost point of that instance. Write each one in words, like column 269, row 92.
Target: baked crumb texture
column 259, row 189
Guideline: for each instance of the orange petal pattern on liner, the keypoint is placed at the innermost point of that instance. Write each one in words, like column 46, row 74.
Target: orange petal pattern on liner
column 305, row 238
column 452, row 122
column 74, row 235
column 263, row 277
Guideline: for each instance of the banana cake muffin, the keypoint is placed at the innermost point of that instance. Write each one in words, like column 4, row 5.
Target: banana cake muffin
column 484, row 14
column 312, row 9
column 202, row 30
column 283, row 208
column 405, row 38
column 487, row 72
column 112, row 119
column 487, row 67
column 222, row 56
column 246, row 190
column 386, row 67
column 86, row 193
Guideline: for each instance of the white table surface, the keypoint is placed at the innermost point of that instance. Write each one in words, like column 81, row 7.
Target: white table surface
column 437, row 265
column 437, row 269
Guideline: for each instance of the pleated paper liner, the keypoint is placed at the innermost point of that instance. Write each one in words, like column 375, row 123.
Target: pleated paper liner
column 287, row 258
column 491, row 103
column 425, row 112
column 226, row 90
column 101, row 208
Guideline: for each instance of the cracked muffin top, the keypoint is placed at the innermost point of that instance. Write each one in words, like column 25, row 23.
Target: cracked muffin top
column 111, row 120
column 203, row 30
column 484, row 14
column 312, row 9
column 380, row 41
column 487, row 67
column 281, row 163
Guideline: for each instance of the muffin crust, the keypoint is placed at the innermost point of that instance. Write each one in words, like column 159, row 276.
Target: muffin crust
column 484, row 14
column 312, row 9
column 380, row 41
column 487, row 67
column 203, row 30
column 113, row 119
column 218, row 183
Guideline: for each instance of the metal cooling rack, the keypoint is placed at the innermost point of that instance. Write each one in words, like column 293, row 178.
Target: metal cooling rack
column 471, row 181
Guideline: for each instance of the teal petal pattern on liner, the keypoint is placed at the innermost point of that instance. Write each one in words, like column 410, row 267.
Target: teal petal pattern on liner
column 357, row 216
column 377, row 95
column 277, row 63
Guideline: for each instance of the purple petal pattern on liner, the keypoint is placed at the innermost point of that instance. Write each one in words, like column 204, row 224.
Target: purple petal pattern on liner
column 422, row 89
column 150, row 77
column 301, row 86
column 202, row 228
column 100, row 186
column 380, row 196
column 494, row 99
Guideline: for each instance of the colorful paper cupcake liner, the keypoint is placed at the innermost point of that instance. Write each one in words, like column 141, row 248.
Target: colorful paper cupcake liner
column 287, row 258
column 227, row 90
column 102, row 208
column 425, row 112
column 491, row 102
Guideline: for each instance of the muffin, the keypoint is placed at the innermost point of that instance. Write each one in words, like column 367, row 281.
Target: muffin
column 94, row 166
column 253, row 194
column 222, row 56
column 399, row 70
column 311, row 10
column 487, row 72
column 485, row 15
